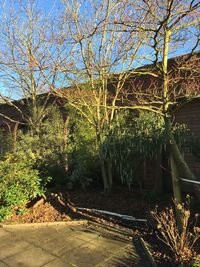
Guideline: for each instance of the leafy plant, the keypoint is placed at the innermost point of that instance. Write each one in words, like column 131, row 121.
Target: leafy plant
column 134, row 139
column 45, row 150
column 18, row 184
column 179, row 241
column 196, row 261
column 5, row 143
column 84, row 162
column 131, row 141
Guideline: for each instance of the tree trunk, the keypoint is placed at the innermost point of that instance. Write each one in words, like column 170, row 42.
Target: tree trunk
column 109, row 170
column 180, row 163
column 15, row 136
column 175, row 181
column 104, row 176
column 106, row 168
column 177, row 192
column 158, row 185
column 64, row 145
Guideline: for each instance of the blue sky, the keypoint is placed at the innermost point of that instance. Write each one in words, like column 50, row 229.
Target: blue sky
column 48, row 4
column 54, row 5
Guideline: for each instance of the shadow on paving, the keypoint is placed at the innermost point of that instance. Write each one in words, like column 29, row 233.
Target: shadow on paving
column 125, row 257
column 61, row 246
column 117, row 242
column 131, row 259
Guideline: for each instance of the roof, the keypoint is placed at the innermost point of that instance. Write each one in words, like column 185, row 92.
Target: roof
column 14, row 110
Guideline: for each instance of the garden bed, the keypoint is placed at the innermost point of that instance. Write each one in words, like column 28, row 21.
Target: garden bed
column 50, row 209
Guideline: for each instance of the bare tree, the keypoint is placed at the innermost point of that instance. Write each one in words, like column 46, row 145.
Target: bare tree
column 101, row 59
column 28, row 60
column 171, row 26
column 110, row 40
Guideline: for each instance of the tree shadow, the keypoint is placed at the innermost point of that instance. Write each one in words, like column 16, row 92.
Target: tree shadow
column 105, row 227
column 126, row 254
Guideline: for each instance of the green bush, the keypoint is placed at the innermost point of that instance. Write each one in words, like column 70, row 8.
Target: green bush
column 134, row 139
column 5, row 143
column 86, row 170
column 84, row 159
column 196, row 262
column 46, row 150
column 19, row 183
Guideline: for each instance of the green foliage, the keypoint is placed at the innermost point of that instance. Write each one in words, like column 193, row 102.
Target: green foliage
column 134, row 139
column 196, row 262
column 5, row 143
column 84, row 159
column 38, row 155
column 18, row 184
column 46, row 150
column 64, row 150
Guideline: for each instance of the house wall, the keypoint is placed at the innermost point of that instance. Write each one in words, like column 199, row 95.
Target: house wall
column 189, row 114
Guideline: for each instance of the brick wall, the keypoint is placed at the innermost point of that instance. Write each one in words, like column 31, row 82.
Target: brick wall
column 189, row 114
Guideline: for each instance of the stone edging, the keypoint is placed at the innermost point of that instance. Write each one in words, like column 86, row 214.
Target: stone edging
column 42, row 224
column 144, row 252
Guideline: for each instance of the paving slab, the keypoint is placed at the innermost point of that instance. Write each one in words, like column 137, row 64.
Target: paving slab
column 57, row 263
column 32, row 257
column 2, row 264
column 66, row 245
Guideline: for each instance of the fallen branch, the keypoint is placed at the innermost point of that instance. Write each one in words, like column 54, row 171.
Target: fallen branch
column 190, row 181
column 82, row 211
column 121, row 216
column 38, row 203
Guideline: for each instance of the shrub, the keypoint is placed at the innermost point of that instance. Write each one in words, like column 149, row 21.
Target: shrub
column 86, row 170
column 196, row 262
column 46, row 150
column 179, row 241
column 5, row 143
column 18, row 184
column 134, row 139
column 84, row 159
